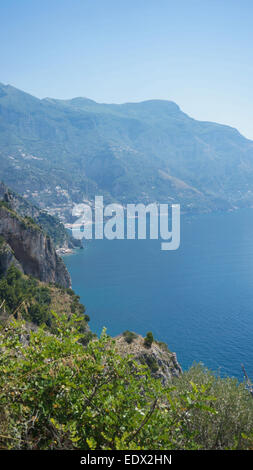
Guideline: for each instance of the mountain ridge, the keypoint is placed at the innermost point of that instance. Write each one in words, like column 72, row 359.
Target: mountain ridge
column 71, row 150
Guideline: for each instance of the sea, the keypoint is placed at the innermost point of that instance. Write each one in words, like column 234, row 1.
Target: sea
column 198, row 299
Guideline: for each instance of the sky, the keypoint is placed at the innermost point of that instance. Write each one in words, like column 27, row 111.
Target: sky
column 198, row 53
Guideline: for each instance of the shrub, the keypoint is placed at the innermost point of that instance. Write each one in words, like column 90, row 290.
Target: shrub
column 151, row 363
column 129, row 336
column 57, row 394
column 163, row 346
column 24, row 294
column 148, row 340
column 231, row 422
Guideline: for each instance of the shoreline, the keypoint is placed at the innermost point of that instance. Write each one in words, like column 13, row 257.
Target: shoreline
column 64, row 251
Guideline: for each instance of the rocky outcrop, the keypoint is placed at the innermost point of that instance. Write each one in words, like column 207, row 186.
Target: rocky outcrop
column 162, row 363
column 17, row 203
column 7, row 258
column 31, row 248
column 50, row 224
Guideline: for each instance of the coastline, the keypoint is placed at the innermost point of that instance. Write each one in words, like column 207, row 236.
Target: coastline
column 64, row 251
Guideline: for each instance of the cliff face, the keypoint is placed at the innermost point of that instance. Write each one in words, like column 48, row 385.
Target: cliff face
column 162, row 363
column 17, row 202
column 50, row 224
column 32, row 249
column 7, row 258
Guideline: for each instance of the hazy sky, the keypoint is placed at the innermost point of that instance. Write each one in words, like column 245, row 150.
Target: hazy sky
column 198, row 53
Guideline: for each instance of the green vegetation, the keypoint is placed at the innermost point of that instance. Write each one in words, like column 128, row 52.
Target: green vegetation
column 54, row 228
column 151, row 363
column 24, row 294
column 231, row 426
column 148, row 340
column 56, row 394
column 29, row 222
column 162, row 346
column 34, row 300
column 129, row 336
column 63, row 388
column 26, row 221
column 31, row 216
column 132, row 152
column 4, row 204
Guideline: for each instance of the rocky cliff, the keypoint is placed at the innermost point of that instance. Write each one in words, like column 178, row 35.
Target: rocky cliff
column 162, row 363
column 7, row 258
column 31, row 248
column 50, row 224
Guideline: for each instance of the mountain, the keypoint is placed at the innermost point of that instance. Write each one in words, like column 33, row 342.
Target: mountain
column 56, row 152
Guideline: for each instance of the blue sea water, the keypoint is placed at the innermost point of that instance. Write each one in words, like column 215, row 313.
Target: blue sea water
column 198, row 299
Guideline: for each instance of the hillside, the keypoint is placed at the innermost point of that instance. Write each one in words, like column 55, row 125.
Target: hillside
column 50, row 224
column 34, row 280
column 67, row 150
column 24, row 244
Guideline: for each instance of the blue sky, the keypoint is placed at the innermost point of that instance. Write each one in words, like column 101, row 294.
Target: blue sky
column 198, row 53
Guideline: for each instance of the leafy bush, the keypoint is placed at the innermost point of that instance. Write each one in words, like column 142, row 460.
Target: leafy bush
column 56, row 394
column 232, row 421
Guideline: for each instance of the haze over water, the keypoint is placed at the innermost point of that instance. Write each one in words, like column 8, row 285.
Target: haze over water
column 198, row 299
